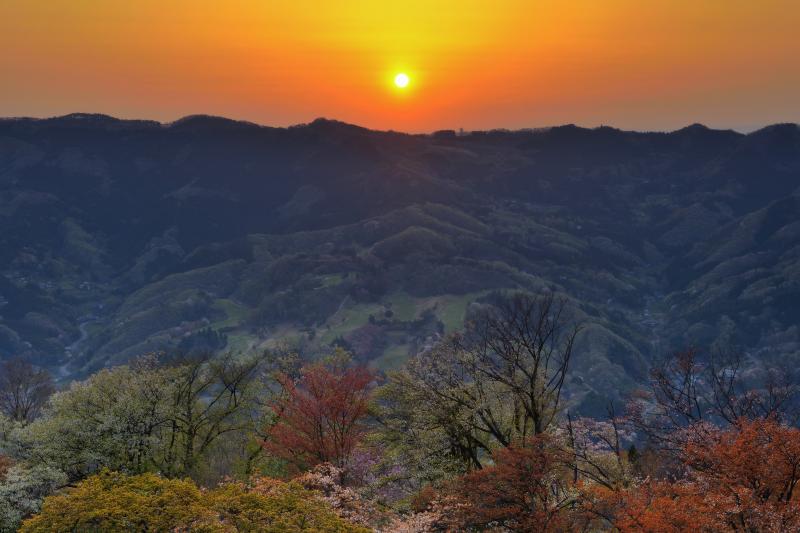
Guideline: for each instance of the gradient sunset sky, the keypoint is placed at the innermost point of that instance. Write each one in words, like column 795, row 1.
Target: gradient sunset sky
column 634, row 64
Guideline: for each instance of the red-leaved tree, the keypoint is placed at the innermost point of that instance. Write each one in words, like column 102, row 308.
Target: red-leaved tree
column 320, row 416
column 526, row 489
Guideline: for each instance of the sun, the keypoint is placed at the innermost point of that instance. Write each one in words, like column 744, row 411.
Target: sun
column 401, row 80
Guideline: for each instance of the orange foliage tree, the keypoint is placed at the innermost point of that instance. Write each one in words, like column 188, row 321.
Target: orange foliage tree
column 526, row 489
column 749, row 474
column 653, row 506
column 320, row 417
column 743, row 478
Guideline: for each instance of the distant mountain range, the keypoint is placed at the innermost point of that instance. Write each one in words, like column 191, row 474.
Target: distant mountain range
column 123, row 237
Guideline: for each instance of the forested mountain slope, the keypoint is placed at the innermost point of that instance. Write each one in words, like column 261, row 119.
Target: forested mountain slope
column 124, row 237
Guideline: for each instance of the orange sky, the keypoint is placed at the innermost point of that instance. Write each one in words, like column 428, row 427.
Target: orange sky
column 640, row 64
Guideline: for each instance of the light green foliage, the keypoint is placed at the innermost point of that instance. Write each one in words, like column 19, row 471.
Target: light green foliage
column 8, row 430
column 497, row 384
column 112, row 419
column 417, row 438
column 393, row 357
column 348, row 319
column 22, row 492
column 144, row 418
column 435, row 414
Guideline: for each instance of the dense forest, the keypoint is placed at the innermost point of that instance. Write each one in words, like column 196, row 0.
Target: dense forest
column 477, row 433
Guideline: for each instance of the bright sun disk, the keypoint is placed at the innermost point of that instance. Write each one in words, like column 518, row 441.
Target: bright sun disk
column 401, row 80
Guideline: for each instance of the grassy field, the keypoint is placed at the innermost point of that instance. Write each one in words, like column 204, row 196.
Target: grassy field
column 393, row 357
column 235, row 313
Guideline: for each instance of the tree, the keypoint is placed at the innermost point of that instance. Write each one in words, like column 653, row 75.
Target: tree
column 280, row 362
column 422, row 441
column 498, row 383
column 749, row 474
column 691, row 395
column 526, row 489
column 22, row 490
column 742, row 478
column 652, row 506
column 143, row 417
column 112, row 419
column 207, row 399
column 24, row 390
column 524, row 345
column 595, row 451
column 320, row 416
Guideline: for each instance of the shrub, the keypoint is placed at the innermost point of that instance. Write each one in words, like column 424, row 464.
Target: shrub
column 111, row 501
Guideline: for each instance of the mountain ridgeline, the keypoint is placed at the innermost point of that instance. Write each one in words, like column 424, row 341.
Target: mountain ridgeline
column 119, row 238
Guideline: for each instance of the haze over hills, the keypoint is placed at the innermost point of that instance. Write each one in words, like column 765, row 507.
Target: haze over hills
column 123, row 237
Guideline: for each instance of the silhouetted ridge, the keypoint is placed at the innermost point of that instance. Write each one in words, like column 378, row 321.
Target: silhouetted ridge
column 210, row 123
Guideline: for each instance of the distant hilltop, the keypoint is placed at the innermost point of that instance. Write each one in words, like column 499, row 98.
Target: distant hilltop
column 202, row 120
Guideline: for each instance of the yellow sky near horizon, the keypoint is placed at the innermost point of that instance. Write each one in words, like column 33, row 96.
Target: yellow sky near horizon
column 474, row 64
